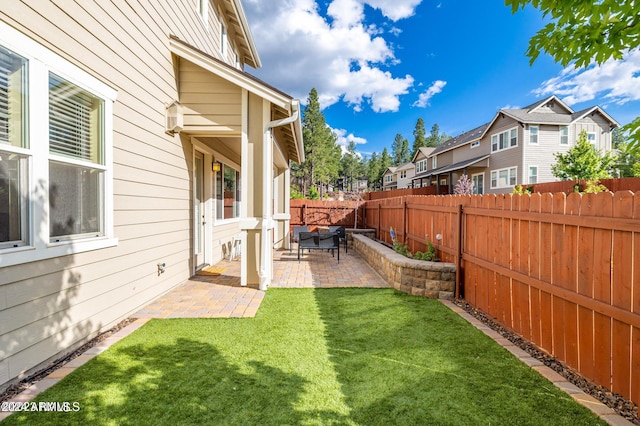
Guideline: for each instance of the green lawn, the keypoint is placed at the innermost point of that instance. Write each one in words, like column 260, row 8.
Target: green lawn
column 317, row 357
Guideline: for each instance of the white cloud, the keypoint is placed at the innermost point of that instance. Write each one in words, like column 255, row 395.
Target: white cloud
column 435, row 88
column 616, row 81
column 341, row 55
column 343, row 139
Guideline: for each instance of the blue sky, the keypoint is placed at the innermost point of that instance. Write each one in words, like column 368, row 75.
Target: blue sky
column 379, row 65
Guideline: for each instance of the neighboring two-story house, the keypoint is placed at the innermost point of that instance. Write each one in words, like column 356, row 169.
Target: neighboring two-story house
column 390, row 179
column 133, row 149
column 398, row 177
column 516, row 147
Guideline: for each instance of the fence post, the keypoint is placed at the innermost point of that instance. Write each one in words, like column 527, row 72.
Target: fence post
column 379, row 218
column 459, row 281
column 404, row 221
column 304, row 214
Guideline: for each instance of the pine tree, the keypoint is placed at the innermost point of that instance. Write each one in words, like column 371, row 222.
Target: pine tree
column 373, row 170
column 386, row 161
column 322, row 154
column 351, row 166
column 419, row 139
column 400, row 150
column 436, row 138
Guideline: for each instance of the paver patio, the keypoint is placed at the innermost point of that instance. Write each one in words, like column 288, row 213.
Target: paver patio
column 222, row 296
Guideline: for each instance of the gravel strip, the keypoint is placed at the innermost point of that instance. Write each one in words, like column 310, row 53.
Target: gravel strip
column 616, row 402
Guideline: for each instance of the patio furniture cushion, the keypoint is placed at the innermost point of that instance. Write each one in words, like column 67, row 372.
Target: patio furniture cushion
column 342, row 234
column 295, row 233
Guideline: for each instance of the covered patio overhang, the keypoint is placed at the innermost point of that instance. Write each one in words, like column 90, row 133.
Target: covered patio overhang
column 240, row 117
column 482, row 161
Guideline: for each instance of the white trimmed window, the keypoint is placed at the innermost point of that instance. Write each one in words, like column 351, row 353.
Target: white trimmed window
column 224, row 41
column 421, row 166
column 564, row 135
column 533, row 135
column 533, row 174
column 434, row 162
column 227, row 193
column 504, row 178
column 475, row 144
column 403, row 174
column 56, row 172
column 504, row 140
column 591, row 138
column 203, row 12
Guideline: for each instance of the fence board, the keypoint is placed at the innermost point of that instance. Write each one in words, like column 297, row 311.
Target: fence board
column 561, row 270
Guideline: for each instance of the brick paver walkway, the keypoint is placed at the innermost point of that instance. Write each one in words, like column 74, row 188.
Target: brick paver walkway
column 223, row 297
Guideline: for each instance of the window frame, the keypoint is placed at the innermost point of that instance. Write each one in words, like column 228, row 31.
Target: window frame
column 510, row 176
column 529, row 175
column 42, row 62
column 536, row 134
column 237, row 200
column 202, row 9
column 561, row 136
column 495, row 145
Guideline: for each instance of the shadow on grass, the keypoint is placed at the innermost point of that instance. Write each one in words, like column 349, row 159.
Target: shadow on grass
column 188, row 382
column 403, row 359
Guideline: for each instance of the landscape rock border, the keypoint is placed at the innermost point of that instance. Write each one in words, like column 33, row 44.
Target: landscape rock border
column 621, row 405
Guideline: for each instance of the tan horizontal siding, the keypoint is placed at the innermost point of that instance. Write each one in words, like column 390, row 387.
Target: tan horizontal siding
column 51, row 304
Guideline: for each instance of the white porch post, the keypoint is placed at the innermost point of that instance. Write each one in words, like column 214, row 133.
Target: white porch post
column 244, row 185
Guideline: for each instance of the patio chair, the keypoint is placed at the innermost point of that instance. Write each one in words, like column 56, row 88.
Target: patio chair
column 342, row 233
column 329, row 241
column 307, row 240
column 295, row 234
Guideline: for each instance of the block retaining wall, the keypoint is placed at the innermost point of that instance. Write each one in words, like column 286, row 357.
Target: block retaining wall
column 436, row 280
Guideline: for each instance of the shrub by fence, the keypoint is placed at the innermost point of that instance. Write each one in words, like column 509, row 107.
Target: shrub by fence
column 561, row 270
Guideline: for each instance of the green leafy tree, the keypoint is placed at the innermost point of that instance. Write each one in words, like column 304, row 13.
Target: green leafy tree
column 582, row 161
column 628, row 160
column 322, row 154
column 419, row 137
column 582, row 32
column 400, row 150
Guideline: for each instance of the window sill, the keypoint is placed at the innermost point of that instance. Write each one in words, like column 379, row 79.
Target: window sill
column 26, row 254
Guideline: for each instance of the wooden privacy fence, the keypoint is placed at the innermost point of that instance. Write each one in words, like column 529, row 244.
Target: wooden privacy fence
column 324, row 213
column 614, row 185
column 426, row 190
column 561, row 270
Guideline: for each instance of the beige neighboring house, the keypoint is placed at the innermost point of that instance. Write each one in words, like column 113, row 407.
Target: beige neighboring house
column 405, row 173
column 419, row 162
column 389, row 179
column 516, row 147
column 134, row 150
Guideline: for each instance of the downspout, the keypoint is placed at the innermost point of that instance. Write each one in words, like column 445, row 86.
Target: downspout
column 266, row 185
